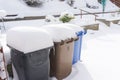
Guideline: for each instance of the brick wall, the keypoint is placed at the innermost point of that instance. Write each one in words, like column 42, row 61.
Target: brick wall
column 117, row 2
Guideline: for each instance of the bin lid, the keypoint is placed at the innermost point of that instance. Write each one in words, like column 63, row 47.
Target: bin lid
column 75, row 27
column 28, row 39
column 3, row 13
column 59, row 32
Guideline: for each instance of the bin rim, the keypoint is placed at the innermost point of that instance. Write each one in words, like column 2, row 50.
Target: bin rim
column 67, row 41
column 29, row 52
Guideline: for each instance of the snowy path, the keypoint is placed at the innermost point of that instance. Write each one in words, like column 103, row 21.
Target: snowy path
column 100, row 56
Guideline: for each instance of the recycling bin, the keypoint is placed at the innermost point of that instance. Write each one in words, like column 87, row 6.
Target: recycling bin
column 78, row 42
column 61, row 54
column 77, row 48
column 30, row 49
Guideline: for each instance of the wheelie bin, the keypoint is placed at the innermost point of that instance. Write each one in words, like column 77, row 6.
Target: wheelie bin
column 30, row 49
column 61, row 54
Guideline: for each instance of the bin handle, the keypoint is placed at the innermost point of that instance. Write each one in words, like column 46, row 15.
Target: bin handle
column 75, row 39
column 62, row 42
column 70, row 40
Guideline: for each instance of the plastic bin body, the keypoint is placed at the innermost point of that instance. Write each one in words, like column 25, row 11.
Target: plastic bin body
column 61, row 60
column 31, row 66
column 77, row 48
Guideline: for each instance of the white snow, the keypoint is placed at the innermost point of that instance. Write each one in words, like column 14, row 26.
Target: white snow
column 82, row 5
column 59, row 32
column 75, row 27
column 48, row 8
column 22, row 39
column 100, row 49
column 3, row 13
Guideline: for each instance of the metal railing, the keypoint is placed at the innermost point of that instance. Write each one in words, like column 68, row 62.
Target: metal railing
column 81, row 12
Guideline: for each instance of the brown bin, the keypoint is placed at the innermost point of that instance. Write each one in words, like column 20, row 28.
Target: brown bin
column 61, row 59
column 61, row 54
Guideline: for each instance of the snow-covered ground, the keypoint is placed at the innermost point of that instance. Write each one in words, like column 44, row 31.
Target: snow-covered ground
column 109, row 5
column 51, row 7
column 100, row 55
column 100, row 49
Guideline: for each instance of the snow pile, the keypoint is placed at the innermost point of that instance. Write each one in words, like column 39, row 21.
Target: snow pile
column 59, row 32
column 51, row 19
column 3, row 13
column 76, row 28
column 28, row 39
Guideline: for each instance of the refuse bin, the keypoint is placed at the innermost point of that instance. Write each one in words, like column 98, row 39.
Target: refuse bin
column 30, row 49
column 78, row 43
column 62, row 53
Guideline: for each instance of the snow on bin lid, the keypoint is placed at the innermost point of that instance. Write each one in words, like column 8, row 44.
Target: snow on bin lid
column 3, row 13
column 59, row 32
column 28, row 39
column 76, row 28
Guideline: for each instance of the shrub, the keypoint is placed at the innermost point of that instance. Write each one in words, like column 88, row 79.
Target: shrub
column 34, row 3
column 66, row 17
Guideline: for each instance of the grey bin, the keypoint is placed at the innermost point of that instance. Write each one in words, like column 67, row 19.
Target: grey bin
column 32, row 65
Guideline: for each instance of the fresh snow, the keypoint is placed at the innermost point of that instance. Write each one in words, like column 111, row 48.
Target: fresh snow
column 3, row 13
column 59, row 32
column 82, row 5
column 49, row 7
column 75, row 27
column 100, row 49
column 22, row 39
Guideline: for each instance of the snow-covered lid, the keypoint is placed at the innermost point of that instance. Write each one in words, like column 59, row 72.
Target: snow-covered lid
column 3, row 13
column 75, row 27
column 59, row 32
column 28, row 39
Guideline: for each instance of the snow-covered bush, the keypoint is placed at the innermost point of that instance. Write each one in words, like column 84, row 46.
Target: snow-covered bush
column 34, row 3
column 66, row 17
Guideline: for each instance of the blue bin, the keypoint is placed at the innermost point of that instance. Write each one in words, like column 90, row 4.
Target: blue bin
column 77, row 47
